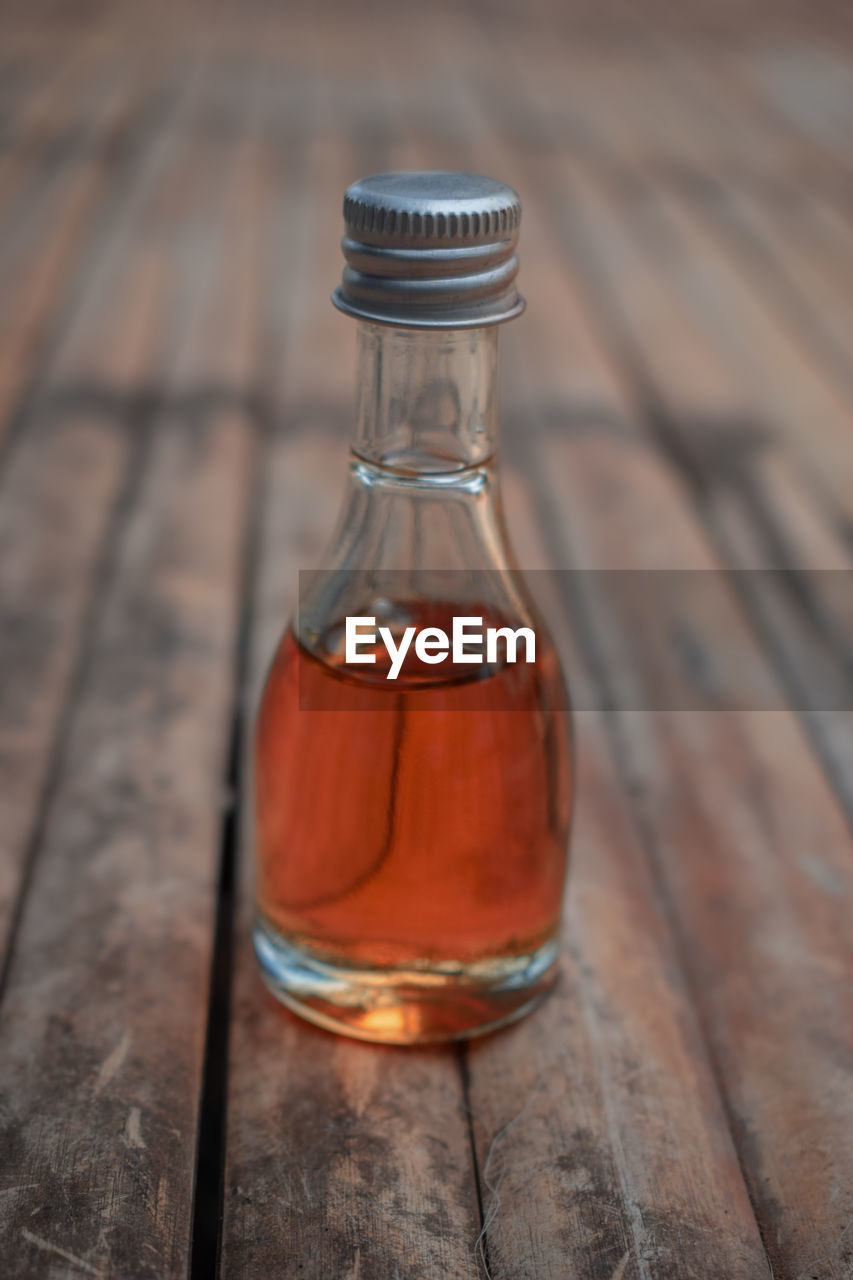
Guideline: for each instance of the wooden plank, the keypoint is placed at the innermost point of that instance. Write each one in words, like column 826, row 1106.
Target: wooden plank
column 785, row 382
column 370, row 1171
column 825, row 212
column 73, row 129
column 732, row 809
column 369, row 1167
column 87, row 422
column 808, row 87
column 738, row 136
column 59, row 499
column 758, row 506
column 101, row 1096
column 761, row 511
column 555, row 365
column 772, row 522
column 769, row 238
column 46, row 106
column 602, row 1143
column 800, row 276
column 73, row 244
column 780, row 376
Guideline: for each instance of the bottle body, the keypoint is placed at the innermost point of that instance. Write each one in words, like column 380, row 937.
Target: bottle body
column 412, row 831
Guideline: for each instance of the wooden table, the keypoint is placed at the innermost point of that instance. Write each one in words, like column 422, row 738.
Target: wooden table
column 175, row 394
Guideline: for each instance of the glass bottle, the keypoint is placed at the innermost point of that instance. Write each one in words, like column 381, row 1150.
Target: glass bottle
column 411, row 832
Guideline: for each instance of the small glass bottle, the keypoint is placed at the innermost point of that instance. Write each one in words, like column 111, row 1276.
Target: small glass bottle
column 412, row 831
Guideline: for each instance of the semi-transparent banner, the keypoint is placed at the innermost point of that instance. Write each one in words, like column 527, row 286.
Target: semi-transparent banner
column 628, row 640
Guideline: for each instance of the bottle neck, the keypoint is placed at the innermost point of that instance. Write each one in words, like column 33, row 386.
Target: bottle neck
column 427, row 399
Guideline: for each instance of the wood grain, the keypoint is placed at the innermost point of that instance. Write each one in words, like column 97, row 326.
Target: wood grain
column 122, row 893
column 66, row 480
column 598, row 1120
column 751, row 919
column 613, row 1066
column 752, row 492
column 175, row 395
column 370, row 1170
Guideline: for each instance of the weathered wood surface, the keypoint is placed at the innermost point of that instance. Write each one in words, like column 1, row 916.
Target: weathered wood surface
column 175, row 391
column 370, row 1172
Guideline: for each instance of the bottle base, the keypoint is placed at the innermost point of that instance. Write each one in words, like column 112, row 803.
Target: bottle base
column 415, row 1005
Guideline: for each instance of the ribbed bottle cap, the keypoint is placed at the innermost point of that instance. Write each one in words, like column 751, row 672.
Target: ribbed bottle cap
column 430, row 250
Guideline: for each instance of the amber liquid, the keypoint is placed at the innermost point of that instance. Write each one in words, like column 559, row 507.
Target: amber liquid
column 418, row 824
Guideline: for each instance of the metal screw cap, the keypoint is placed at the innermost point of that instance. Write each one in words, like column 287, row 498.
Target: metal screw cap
column 430, row 250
